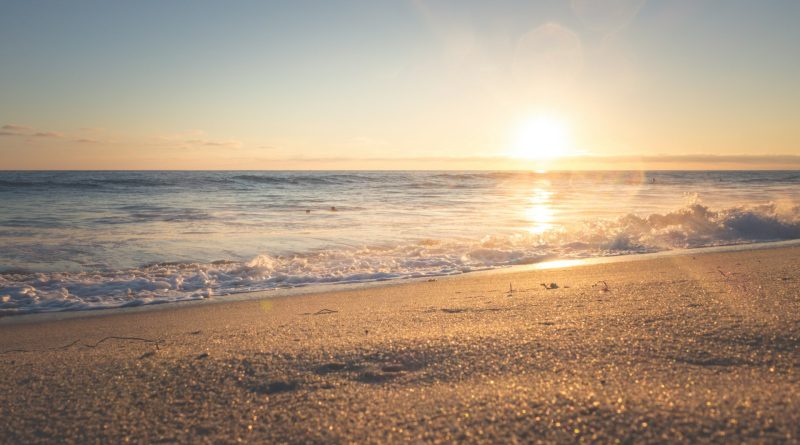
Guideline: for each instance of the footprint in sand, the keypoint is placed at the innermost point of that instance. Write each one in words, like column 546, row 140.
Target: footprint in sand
column 274, row 387
column 331, row 367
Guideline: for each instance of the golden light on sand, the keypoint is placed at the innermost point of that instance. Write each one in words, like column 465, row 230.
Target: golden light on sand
column 542, row 137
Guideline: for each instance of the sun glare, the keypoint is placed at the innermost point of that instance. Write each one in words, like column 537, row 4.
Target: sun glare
column 542, row 137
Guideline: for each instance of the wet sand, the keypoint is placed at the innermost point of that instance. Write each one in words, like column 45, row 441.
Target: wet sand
column 687, row 348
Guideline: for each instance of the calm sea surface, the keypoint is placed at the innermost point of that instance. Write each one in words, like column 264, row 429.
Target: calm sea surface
column 82, row 240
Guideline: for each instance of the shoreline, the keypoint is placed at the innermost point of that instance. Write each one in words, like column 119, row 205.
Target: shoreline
column 324, row 288
column 682, row 348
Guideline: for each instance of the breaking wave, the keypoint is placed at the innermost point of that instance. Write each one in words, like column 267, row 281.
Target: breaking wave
column 692, row 226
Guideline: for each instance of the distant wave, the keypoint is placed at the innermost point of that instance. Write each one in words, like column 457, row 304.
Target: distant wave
column 692, row 226
column 10, row 184
column 84, row 184
column 172, row 180
column 452, row 180
column 306, row 179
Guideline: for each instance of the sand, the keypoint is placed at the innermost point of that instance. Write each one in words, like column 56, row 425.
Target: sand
column 699, row 348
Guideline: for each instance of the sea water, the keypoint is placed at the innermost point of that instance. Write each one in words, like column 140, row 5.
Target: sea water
column 86, row 240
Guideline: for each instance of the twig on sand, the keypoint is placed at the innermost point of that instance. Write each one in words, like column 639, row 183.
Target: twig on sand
column 114, row 337
column 549, row 286
column 511, row 289
column 321, row 312
column 605, row 287
column 88, row 345
column 729, row 276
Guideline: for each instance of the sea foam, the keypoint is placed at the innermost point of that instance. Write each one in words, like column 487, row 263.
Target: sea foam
column 694, row 225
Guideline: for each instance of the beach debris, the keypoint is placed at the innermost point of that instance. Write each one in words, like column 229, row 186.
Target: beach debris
column 431, row 280
column 308, row 211
column 321, row 312
column 511, row 290
column 147, row 354
column 549, row 286
column 456, row 310
column 202, row 356
column 195, row 333
column 89, row 345
column 603, row 286
column 333, row 209
column 325, row 311
column 729, row 276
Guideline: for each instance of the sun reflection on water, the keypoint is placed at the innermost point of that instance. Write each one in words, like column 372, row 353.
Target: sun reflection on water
column 540, row 213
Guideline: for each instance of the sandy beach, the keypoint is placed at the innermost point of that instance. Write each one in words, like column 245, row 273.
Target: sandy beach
column 690, row 348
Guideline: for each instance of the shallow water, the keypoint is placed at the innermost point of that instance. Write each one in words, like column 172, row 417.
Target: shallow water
column 82, row 240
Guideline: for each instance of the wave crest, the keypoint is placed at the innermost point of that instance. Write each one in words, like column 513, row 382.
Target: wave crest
column 692, row 226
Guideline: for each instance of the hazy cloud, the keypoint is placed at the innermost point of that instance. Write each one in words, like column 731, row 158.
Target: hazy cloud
column 24, row 130
column 703, row 159
column 89, row 135
column 193, row 139
column 600, row 161
column 14, row 130
column 49, row 134
column 212, row 143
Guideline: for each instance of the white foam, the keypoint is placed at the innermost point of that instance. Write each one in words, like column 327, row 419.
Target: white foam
column 692, row 226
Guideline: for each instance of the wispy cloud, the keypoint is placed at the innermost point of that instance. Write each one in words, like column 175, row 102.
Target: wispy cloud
column 92, row 135
column 49, row 134
column 213, row 143
column 25, row 131
column 194, row 139
column 15, row 130
column 87, row 141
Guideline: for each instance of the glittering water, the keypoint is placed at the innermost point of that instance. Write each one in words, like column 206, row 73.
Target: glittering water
column 78, row 240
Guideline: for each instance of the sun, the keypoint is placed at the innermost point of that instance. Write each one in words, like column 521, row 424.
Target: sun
column 542, row 137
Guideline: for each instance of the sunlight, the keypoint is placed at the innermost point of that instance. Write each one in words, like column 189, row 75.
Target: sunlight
column 540, row 214
column 542, row 137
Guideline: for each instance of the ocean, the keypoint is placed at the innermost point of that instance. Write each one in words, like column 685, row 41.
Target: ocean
column 89, row 240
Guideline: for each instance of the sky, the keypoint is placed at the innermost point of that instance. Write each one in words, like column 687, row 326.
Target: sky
column 405, row 84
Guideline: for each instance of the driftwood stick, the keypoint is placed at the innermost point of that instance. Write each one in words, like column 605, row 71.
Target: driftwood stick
column 87, row 345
